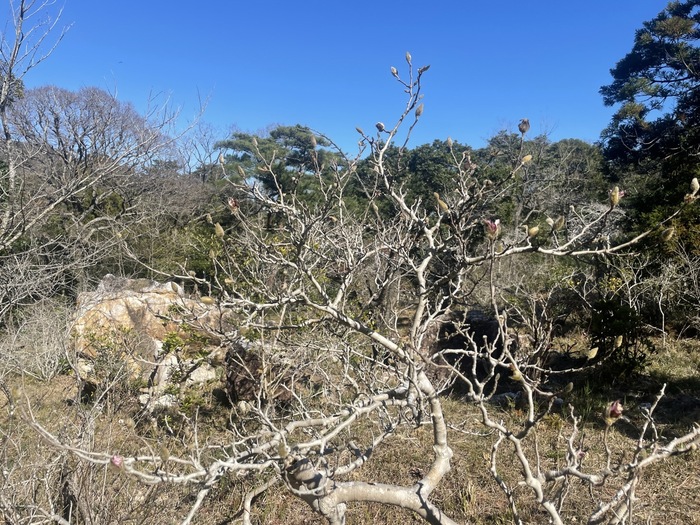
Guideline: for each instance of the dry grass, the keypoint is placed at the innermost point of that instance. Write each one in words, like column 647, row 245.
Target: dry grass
column 667, row 492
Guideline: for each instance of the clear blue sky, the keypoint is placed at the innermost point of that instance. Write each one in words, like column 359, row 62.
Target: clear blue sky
column 326, row 64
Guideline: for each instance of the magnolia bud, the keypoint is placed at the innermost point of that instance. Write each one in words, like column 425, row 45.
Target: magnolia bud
column 559, row 223
column 618, row 341
column 380, row 126
column 449, row 142
column 614, row 196
column 515, row 374
column 526, row 159
column 394, row 71
column 206, row 299
column 419, row 110
column 694, row 186
column 613, row 412
column 441, row 203
column 219, row 231
column 241, row 171
column 208, row 218
column 532, row 232
column 116, row 462
column 667, row 234
column 492, row 229
column 592, row 353
column 550, row 221
column 359, row 130
column 408, row 58
column 524, row 126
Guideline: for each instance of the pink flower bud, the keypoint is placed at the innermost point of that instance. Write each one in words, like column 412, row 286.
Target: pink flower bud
column 116, row 462
column 613, row 412
column 492, row 228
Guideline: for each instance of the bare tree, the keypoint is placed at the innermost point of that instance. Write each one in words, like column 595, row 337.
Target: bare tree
column 340, row 342
column 66, row 161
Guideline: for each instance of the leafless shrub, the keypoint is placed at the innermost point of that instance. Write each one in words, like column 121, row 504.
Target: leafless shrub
column 340, row 307
column 35, row 343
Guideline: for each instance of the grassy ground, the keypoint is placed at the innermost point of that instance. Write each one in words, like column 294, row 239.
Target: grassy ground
column 667, row 494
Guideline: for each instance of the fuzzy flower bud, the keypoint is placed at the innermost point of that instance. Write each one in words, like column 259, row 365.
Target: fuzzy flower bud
column 441, row 203
column 613, row 412
column 524, row 126
column 408, row 58
column 219, row 231
column 694, row 186
column 526, row 159
column 667, row 234
column 419, row 110
column 492, row 228
column 394, row 71
column 615, row 195
column 532, row 232
column 515, row 374
column 241, row 171
column 559, row 223
column 449, row 142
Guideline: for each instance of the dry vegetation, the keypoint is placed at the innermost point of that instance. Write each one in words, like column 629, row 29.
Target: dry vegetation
column 34, row 472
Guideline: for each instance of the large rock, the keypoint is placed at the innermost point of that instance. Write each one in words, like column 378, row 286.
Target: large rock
column 154, row 328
